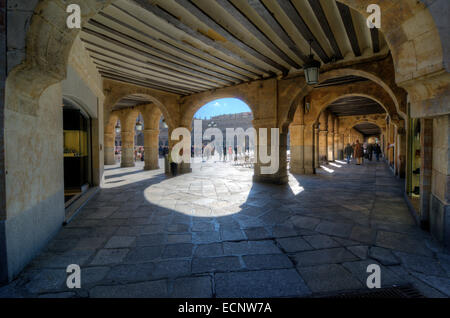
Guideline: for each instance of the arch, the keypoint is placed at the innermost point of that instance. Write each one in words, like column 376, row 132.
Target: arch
column 331, row 100
column 166, row 102
column 380, row 73
column 193, row 104
column 322, row 98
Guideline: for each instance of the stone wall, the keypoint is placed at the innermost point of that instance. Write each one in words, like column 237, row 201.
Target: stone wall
column 35, row 184
column 440, row 180
column 35, row 208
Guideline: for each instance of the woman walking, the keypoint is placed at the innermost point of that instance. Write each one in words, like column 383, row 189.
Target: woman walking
column 359, row 153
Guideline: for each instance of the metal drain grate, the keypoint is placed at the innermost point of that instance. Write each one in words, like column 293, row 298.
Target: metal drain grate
column 406, row 291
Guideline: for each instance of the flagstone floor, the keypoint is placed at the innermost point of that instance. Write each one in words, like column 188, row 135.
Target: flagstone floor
column 214, row 233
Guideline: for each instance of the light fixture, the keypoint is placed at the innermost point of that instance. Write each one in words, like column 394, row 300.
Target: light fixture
column 139, row 126
column 164, row 123
column 311, row 68
column 117, row 128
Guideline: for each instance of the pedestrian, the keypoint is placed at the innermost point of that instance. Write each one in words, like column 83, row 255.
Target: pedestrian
column 370, row 152
column 377, row 150
column 358, row 153
column 173, row 165
column 348, row 151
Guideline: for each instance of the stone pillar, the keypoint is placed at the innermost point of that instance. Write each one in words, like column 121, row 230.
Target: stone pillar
column 127, row 149
column 280, row 176
column 426, row 166
column 330, row 137
column 309, row 149
column 184, row 167
column 297, row 149
column 110, row 158
column 336, row 139
column 151, row 151
column 128, row 125
column 316, row 147
column 341, row 146
column 440, row 189
column 323, row 138
column 401, row 152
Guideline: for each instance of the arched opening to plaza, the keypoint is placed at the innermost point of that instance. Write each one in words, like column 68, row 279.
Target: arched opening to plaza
column 134, row 63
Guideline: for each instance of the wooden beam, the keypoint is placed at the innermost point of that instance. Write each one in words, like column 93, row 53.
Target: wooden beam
column 99, row 49
column 120, row 76
column 296, row 19
column 253, row 30
column 153, row 57
column 164, row 53
column 321, row 17
column 199, row 56
column 146, row 71
column 269, row 19
column 187, row 5
column 375, row 35
column 346, row 16
column 174, row 22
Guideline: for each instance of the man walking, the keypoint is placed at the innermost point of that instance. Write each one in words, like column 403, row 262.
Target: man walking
column 348, row 151
column 377, row 151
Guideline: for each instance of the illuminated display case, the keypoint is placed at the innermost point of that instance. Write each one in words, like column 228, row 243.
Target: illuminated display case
column 76, row 151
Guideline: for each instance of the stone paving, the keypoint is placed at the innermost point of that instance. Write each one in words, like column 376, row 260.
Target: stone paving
column 214, row 233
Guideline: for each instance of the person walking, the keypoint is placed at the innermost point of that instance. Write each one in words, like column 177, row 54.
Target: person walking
column 377, row 150
column 348, row 151
column 359, row 153
column 370, row 152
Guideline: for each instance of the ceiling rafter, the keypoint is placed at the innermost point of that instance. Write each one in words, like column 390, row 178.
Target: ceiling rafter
column 174, row 22
column 295, row 18
column 245, row 22
column 320, row 15
column 213, row 25
column 346, row 15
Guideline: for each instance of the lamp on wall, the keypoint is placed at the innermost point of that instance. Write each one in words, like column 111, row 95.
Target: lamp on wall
column 139, row 126
column 311, row 68
column 164, row 123
column 117, row 128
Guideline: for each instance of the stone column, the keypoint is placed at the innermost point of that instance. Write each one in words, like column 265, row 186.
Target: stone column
column 127, row 149
column 316, row 147
column 330, row 151
column 151, row 151
column 426, row 168
column 401, row 152
column 280, row 176
column 309, row 149
column 297, row 148
column 110, row 148
column 342, row 146
column 440, row 178
column 184, row 167
column 128, row 124
column 336, row 139
column 323, row 138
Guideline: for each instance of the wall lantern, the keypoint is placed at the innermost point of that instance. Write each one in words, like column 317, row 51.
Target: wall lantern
column 164, row 123
column 311, row 68
column 139, row 126
column 117, row 128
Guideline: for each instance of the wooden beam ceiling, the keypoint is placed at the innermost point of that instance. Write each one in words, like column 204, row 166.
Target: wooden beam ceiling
column 189, row 46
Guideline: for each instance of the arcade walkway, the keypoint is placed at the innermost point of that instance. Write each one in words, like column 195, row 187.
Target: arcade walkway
column 195, row 235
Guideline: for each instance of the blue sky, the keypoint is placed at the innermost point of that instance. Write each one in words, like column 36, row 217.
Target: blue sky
column 222, row 107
